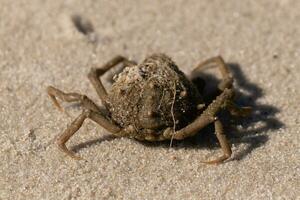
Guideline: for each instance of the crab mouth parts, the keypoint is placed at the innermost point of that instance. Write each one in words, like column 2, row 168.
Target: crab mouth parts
column 152, row 123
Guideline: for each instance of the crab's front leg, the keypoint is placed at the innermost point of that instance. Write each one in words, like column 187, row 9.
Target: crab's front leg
column 207, row 117
column 223, row 143
column 55, row 93
column 77, row 123
column 90, row 110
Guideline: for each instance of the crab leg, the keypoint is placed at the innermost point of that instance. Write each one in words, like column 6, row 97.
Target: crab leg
column 95, row 74
column 225, row 83
column 223, row 142
column 226, row 75
column 77, row 123
column 70, row 97
column 207, row 117
column 91, row 111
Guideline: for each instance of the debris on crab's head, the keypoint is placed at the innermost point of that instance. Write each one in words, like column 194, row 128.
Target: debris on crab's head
column 129, row 75
column 153, row 95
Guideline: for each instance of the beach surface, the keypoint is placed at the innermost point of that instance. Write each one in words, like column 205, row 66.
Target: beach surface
column 56, row 43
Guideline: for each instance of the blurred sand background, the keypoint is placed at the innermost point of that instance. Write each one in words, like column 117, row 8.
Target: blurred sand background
column 40, row 46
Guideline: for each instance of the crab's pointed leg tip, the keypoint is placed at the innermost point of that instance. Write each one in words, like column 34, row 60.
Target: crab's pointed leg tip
column 217, row 161
column 74, row 156
column 212, row 162
column 77, row 157
column 64, row 149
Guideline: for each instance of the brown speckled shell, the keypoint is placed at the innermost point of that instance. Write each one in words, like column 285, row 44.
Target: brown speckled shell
column 129, row 96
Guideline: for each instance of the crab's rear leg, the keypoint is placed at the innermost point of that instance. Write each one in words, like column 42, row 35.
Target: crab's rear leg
column 227, row 79
column 95, row 74
column 227, row 82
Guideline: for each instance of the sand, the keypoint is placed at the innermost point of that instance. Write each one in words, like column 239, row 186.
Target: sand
column 40, row 46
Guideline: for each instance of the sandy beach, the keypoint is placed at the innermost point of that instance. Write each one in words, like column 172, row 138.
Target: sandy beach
column 40, row 45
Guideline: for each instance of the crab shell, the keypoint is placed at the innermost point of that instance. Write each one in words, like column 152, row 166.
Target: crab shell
column 152, row 96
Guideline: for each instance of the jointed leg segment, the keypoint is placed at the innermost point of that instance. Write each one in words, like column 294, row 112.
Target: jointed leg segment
column 226, row 75
column 96, row 73
column 91, row 110
column 77, row 123
column 227, row 82
column 208, row 116
column 70, row 97
column 67, row 134
column 225, row 146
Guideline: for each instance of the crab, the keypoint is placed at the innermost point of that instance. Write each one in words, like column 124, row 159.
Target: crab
column 152, row 101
